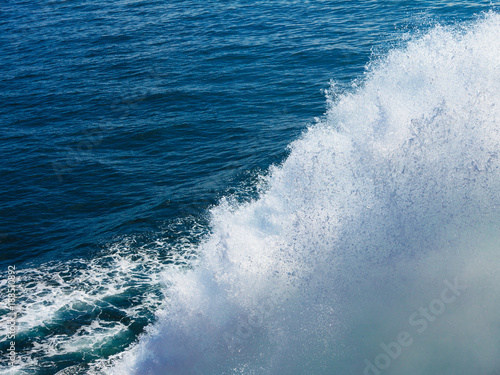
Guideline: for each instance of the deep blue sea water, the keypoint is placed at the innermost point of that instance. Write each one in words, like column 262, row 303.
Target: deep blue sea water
column 268, row 187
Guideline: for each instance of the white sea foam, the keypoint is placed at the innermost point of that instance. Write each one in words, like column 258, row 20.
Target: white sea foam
column 393, row 194
column 83, row 308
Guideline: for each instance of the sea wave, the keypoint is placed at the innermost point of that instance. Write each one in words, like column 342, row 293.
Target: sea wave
column 351, row 249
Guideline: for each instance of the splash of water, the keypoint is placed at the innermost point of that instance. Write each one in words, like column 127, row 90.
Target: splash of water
column 382, row 205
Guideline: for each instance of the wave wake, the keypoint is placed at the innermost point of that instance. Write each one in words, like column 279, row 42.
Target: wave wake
column 350, row 251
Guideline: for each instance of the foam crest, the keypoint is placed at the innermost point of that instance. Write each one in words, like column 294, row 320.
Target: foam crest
column 383, row 203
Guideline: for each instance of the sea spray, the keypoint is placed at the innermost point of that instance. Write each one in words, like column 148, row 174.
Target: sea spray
column 393, row 194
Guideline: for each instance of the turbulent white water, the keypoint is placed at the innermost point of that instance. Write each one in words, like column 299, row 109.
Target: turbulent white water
column 374, row 248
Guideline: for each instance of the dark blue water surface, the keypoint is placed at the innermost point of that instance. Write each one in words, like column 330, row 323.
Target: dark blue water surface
column 123, row 121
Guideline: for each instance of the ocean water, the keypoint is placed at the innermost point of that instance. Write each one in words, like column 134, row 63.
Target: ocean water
column 273, row 187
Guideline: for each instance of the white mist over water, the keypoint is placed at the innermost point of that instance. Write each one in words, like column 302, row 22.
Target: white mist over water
column 381, row 205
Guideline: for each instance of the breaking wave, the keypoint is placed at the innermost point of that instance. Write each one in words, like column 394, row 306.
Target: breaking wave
column 384, row 220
